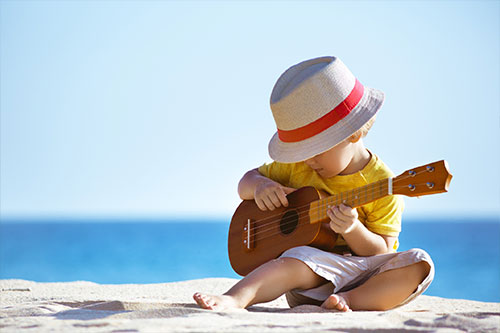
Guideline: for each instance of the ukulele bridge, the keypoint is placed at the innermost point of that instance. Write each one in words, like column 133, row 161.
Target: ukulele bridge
column 249, row 235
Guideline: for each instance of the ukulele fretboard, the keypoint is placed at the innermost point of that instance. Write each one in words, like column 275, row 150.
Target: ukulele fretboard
column 353, row 198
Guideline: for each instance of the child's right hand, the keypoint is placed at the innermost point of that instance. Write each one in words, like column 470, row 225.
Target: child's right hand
column 270, row 195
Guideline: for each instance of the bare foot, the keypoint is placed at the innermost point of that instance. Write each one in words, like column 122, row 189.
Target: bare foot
column 336, row 302
column 212, row 302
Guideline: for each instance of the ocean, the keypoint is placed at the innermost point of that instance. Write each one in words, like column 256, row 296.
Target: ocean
column 466, row 252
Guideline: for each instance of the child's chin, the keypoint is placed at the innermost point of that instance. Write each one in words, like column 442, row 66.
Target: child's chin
column 325, row 174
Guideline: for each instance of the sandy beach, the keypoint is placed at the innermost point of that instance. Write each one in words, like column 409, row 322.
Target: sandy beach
column 27, row 306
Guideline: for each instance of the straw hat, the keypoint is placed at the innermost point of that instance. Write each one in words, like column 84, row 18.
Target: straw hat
column 317, row 104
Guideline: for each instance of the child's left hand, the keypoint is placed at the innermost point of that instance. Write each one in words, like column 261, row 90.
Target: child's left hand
column 344, row 219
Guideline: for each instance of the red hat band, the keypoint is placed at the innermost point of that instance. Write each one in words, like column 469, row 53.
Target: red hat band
column 327, row 120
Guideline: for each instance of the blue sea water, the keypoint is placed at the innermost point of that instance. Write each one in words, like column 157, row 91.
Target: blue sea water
column 466, row 252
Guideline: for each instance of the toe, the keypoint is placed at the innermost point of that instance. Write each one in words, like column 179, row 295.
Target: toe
column 201, row 300
column 335, row 302
column 342, row 307
column 330, row 303
column 209, row 302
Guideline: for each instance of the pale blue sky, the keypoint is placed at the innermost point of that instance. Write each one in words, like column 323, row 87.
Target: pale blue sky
column 157, row 108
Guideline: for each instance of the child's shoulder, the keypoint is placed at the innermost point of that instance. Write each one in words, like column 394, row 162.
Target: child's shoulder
column 376, row 169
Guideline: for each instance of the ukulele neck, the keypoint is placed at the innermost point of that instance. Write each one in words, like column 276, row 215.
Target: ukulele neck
column 353, row 198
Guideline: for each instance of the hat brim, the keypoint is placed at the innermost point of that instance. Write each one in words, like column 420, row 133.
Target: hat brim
column 290, row 152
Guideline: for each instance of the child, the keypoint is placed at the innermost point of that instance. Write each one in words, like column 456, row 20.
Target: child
column 322, row 113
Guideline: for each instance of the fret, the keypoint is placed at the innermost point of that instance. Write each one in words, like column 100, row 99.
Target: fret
column 366, row 193
column 318, row 213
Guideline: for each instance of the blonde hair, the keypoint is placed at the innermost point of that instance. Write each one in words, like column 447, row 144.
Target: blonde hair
column 363, row 131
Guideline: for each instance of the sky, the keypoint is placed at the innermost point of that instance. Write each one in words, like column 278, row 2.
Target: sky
column 157, row 108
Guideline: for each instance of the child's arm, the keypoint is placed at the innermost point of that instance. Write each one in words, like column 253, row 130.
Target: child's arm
column 344, row 221
column 267, row 193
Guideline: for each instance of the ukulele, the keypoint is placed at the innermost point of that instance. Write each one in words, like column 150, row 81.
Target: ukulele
column 256, row 236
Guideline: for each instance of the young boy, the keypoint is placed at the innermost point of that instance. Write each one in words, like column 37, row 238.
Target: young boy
column 322, row 113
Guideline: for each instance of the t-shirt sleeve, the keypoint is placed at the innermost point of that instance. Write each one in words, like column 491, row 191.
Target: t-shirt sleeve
column 279, row 172
column 385, row 218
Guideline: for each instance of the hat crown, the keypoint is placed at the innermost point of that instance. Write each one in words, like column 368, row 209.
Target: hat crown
column 317, row 104
column 309, row 90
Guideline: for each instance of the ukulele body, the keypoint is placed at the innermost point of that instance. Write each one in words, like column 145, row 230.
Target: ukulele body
column 256, row 236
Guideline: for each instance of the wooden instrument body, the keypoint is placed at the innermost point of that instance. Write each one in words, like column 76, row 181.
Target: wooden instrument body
column 256, row 236
column 273, row 232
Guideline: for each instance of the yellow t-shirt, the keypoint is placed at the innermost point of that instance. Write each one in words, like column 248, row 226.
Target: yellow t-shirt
column 382, row 216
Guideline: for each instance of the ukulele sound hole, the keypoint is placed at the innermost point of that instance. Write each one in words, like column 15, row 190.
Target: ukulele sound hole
column 289, row 222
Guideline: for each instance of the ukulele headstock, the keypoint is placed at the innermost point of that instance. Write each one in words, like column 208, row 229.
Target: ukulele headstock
column 427, row 179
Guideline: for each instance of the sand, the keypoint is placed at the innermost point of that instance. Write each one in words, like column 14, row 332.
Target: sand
column 27, row 306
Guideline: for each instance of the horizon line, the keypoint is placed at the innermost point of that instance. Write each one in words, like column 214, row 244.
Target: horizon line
column 210, row 218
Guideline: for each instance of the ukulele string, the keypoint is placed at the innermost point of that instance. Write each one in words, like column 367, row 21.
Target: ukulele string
column 283, row 223
column 278, row 225
column 357, row 196
column 270, row 225
column 372, row 191
column 260, row 227
column 276, row 217
column 282, row 241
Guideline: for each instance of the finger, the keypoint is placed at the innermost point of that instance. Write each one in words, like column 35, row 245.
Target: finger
column 348, row 211
column 329, row 212
column 334, row 221
column 339, row 214
column 335, row 226
column 282, row 197
column 333, row 213
column 260, row 203
column 268, row 203
column 275, row 199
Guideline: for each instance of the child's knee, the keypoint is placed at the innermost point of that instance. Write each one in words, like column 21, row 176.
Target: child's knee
column 423, row 263
column 423, row 269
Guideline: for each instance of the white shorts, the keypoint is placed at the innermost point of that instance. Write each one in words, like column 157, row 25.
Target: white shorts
column 348, row 272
